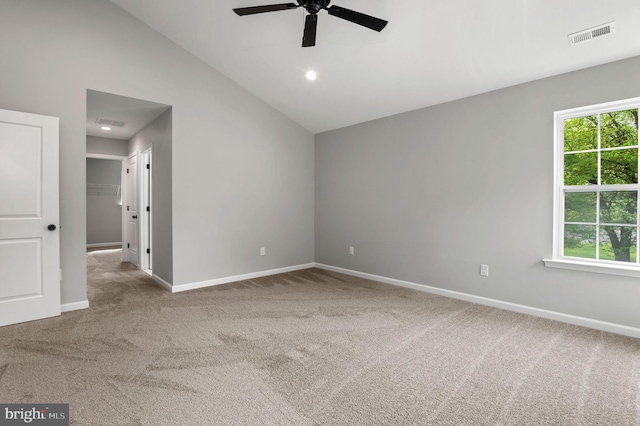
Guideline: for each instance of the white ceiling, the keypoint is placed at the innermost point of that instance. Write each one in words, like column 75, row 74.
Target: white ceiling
column 135, row 113
column 430, row 52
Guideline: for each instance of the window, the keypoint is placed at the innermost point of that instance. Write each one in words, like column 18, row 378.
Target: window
column 596, row 196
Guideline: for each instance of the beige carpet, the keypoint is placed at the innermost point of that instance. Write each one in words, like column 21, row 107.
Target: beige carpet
column 312, row 347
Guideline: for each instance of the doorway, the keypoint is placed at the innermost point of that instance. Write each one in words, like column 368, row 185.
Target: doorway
column 127, row 129
column 104, row 201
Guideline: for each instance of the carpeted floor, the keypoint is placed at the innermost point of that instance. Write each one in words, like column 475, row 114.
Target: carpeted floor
column 312, row 347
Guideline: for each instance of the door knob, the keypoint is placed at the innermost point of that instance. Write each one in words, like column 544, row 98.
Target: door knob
column 134, row 217
column 51, row 227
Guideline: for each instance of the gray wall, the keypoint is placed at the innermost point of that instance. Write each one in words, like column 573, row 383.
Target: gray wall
column 242, row 173
column 104, row 213
column 159, row 135
column 428, row 195
column 96, row 145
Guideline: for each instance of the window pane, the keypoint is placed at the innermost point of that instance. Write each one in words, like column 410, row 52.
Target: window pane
column 619, row 166
column 580, row 207
column 618, row 243
column 581, row 169
column 619, row 128
column 580, row 241
column 581, row 133
column 619, row 207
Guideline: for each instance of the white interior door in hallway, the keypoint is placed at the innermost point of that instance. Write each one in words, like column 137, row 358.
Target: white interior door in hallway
column 131, row 211
column 29, row 217
column 145, row 222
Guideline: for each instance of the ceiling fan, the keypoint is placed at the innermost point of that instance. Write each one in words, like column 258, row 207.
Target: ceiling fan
column 311, row 22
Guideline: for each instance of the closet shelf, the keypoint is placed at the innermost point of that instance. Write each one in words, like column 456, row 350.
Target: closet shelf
column 103, row 189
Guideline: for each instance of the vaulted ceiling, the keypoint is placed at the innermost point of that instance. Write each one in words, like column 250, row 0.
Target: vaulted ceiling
column 430, row 52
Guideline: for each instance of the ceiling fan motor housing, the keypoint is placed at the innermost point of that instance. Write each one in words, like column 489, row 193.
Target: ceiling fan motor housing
column 314, row 6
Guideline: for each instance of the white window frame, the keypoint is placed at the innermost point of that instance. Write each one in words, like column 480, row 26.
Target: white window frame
column 565, row 262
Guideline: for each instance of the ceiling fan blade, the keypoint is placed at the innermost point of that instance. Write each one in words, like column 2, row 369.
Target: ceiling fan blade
column 371, row 22
column 310, row 26
column 242, row 11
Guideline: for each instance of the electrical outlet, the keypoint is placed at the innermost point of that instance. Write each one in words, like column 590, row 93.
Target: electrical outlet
column 263, row 251
column 484, row 270
column 352, row 251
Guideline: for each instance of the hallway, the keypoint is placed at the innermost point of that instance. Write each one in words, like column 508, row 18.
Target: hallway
column 108, row 278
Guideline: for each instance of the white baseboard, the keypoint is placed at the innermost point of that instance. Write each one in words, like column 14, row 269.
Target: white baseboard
column 225, row 280
column 523, row 309
column 162, row 282
column 75, row 306
column 104, row 244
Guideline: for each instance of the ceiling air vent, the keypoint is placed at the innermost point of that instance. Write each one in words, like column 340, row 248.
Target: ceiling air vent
column 591, row 33
column 112, row 123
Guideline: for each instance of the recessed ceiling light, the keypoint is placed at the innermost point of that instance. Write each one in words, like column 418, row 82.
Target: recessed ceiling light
column 105, row 128
column 311, row 75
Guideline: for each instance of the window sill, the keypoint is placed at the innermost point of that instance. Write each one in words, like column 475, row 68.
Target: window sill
column 599, row 268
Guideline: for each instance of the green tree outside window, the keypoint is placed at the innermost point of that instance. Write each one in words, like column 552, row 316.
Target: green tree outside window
column 599, row 151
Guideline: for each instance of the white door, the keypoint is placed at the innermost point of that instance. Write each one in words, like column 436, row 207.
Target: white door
column 29, row 217
column 145, row 218
column 131, row 209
